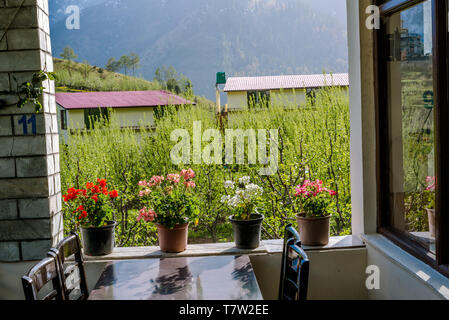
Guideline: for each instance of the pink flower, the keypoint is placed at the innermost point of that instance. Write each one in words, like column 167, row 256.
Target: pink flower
column 431, row 181
column 187, row 174
column 145, row 192
column 190, row 184
column 147, row 215
column 312, row 189
column 143, row 183
column 175, row 178
column 155, row 180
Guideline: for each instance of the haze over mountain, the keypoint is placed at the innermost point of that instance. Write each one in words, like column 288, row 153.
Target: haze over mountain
column 201, row 37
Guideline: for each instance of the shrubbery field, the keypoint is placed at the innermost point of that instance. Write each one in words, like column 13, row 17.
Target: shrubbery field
column 313, row 144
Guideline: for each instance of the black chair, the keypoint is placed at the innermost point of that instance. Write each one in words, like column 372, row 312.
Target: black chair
column 294, row 268
column 73, row 275
column 46, row 271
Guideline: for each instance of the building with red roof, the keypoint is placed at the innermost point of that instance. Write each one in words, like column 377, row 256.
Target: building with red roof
column 133, row 108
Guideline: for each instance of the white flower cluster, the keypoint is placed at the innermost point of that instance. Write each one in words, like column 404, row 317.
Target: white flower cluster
column 252, row 191
column 249, row 193
column 229, row 184
column 244, row 180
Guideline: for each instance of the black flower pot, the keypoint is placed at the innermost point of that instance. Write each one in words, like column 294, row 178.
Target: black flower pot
column 247, row 232
column 99, row 241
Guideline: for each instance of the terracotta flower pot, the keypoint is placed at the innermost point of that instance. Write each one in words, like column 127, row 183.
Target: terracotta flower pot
column 173, row 240
column 431, row 217
column 314, row 231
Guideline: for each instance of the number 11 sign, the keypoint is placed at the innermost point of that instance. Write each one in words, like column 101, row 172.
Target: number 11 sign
column 25, row 122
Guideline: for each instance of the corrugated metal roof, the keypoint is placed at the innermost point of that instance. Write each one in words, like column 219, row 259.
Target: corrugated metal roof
column 118, row 99
column 286, row 82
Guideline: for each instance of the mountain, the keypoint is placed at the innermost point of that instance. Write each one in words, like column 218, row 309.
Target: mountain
column 201, row 37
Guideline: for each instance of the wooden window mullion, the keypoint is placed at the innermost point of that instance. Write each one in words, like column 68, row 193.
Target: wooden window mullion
column 440, row 38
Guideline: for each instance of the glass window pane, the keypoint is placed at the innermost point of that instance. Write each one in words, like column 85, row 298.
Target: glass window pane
column 411, row 123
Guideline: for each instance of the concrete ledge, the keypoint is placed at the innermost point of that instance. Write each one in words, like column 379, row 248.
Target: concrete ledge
column 343, row 242
column 216, row 249
column 415, row 267
column 193, row 250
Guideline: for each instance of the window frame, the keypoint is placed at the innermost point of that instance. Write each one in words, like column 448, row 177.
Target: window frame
column 440, row 35
column 63, row 115
column 262, row 98
column 311, row 95
column 94, row 114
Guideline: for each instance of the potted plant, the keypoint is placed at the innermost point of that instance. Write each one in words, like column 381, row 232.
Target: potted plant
column 313, row 220
column 170, row 203
column 246, row 220
column 92, row 211
column 431, row 206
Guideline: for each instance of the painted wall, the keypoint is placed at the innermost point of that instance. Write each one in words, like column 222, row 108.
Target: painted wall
column 398, row 282
column 127, row 117
column 75, row 119
column 10, row 279
column 334, row 274
column 288, row 97
column 237, row 100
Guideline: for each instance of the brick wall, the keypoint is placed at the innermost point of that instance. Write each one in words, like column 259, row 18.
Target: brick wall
column 30, row 192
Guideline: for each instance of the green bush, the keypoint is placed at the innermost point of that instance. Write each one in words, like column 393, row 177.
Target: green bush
column 313, row 144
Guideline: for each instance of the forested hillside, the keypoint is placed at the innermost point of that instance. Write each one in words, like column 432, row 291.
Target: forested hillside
column 201, row 37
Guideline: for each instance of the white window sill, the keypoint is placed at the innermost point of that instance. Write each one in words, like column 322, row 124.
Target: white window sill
column 429, row 276
column 343, row 242
column 216, row 249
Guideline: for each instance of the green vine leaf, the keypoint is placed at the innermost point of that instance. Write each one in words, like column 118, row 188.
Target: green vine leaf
column 31, row 91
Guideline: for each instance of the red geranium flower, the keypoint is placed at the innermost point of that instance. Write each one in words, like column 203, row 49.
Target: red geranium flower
column 102, row 182
column 113, row 194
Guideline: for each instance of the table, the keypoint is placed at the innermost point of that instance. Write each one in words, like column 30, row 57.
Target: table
column 186, row 278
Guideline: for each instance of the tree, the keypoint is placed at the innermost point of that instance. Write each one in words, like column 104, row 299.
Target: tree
column 86, row 68
column 68, row 54
column 186, row 86
column 159, row 77
column 168, row 78
column 135, row 62
column 112, row 65
column 173, row 86
column 125, row 63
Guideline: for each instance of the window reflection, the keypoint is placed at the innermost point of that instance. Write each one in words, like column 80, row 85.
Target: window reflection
column 411, row 123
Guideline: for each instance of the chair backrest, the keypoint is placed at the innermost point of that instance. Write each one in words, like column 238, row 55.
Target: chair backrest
column 294, row 268
column 74, row 282
column 44, row 272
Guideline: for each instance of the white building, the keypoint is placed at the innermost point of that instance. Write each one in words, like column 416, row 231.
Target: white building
column 287, row 90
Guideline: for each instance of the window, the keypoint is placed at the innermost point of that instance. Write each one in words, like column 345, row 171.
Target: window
column 63, row 119
column 258, row 99
column 159, row 112
column 311, row 95
column 93, row 115
column 412, row 105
